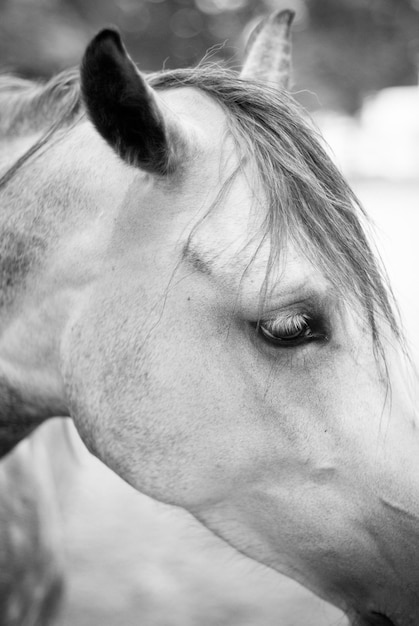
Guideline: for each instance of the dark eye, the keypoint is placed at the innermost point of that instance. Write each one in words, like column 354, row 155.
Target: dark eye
column 289, row 330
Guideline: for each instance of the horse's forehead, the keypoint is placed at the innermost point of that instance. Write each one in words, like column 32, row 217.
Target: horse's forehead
column 227, row 234
column 205, row 125
column 236, row 253
column 193, row 106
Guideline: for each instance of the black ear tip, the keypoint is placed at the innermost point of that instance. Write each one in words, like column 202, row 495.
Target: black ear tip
column 107, row 39
column 109, row 35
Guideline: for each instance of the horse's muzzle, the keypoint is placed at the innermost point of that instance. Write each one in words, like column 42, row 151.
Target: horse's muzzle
column 377, row 619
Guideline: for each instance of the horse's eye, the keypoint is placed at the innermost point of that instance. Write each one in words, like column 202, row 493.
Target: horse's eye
column 288, row 331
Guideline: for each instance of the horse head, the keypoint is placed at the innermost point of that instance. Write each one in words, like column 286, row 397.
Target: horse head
column 200, row 296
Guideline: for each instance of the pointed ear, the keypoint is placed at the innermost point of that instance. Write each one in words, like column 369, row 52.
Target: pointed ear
column 268, row 52
column 124, row 109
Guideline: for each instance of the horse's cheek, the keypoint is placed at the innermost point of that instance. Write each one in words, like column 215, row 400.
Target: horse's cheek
column 158, row 413
column 114, row 385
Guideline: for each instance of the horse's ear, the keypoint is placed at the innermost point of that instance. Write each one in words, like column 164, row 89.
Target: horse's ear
column 124, row 109
column 268, row 51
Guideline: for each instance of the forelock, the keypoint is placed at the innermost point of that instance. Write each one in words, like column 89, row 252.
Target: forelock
column 309, row 200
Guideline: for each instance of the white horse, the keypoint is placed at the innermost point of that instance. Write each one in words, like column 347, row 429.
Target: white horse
column 184, row 272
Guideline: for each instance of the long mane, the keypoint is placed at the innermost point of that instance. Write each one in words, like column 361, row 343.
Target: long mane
column 309, row 201
column 28, row 107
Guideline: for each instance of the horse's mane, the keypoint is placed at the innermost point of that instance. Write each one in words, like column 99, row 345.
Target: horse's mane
column 309, row 200
column 27, row 106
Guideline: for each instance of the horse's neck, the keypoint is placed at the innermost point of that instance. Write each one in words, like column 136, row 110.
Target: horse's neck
column 55, row 221
column 42, row 206
column 29, row 382
column 17, row 223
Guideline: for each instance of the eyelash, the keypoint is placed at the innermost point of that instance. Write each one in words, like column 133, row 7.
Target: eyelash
column 290, row 330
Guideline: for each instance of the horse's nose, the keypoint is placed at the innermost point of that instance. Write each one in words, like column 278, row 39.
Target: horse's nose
column 378, row 619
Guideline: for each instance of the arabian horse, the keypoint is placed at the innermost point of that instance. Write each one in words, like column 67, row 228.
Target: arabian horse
column 186, row 274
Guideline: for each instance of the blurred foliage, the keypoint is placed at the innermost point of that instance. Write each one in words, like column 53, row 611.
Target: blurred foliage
column 342, row 50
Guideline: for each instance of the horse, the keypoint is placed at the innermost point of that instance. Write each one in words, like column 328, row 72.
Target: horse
column 187, row 275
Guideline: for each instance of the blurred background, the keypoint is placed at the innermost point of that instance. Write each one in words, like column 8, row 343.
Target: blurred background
column 343, row 50
column 129, row 560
